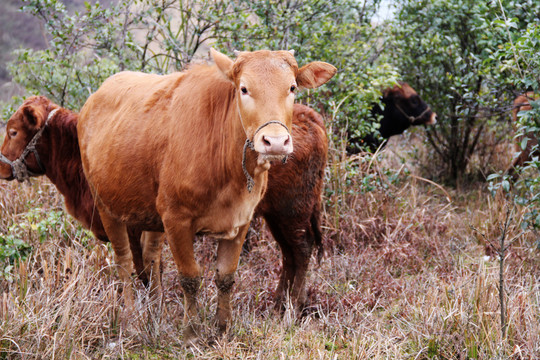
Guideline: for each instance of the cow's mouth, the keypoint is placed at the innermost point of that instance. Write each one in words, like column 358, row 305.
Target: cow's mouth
column 271, row 157
column 270, row 145
column 6, row 168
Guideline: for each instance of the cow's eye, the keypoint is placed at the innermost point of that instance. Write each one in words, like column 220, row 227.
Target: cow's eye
column 244, row 90
column 293, row 88
column 12, row 133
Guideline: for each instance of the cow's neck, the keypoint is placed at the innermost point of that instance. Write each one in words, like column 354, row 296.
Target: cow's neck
column 225, row 139
column 59, row 152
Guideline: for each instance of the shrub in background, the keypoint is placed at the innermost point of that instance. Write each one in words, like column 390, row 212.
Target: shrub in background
column 445, row 50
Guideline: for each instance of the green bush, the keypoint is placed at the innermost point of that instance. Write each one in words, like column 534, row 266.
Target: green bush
column 445, row 49
column 155, row 36
column 519, row 62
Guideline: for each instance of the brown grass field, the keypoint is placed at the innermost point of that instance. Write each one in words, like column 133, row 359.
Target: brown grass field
column 408, row 273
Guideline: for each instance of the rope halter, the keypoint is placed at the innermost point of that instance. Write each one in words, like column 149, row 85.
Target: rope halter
column 411, row 118
column 19, row 168
column 249, row 144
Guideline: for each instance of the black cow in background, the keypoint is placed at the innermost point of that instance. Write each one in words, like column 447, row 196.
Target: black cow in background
column 403, row 108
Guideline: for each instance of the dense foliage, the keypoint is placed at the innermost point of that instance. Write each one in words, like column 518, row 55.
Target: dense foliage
column 339, row 32
column 519, row 62
column 446, row 49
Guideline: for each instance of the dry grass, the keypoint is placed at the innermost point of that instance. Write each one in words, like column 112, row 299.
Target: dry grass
column 404, row 277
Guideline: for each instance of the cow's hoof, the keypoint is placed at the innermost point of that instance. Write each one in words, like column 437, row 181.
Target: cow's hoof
column 191, row 338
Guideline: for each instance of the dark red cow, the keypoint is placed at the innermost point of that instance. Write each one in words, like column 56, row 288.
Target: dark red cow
column 292, row 203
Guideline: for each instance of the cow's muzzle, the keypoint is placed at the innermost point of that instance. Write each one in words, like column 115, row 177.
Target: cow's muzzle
column 269, row 146
column 275, row 145
column 273, row 139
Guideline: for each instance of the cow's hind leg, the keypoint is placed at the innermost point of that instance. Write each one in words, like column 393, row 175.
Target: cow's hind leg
column 296, row 252
column 228, row 254
column 288, row 268
column 303, row 245
column 137, row 253
column 117, row 233
column 152, row 244
column 304, row 241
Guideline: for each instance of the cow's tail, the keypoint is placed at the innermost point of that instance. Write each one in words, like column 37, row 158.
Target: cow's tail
column 317, row 234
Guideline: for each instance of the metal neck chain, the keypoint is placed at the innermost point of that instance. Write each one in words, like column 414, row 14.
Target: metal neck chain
column 19, row 168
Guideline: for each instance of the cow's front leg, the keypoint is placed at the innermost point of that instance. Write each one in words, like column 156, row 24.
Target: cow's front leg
column 180, row 237
column 227, row 261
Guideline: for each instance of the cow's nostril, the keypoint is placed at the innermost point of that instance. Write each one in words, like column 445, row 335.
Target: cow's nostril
column 265, row 141
column 287, row 141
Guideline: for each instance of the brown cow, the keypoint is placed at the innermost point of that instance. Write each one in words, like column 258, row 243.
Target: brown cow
column 188, row 153
column 521, row 103
column 55, row 153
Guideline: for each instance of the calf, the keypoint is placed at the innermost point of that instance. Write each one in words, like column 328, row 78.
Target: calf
column 292, row 203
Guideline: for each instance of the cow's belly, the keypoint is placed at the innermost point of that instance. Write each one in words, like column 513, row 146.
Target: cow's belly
column 128, row 196
column 142, row 214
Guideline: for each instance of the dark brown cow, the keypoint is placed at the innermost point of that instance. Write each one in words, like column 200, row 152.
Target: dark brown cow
column 403, row 108
column 521, row 103
column 188, row 153
column 56, row 155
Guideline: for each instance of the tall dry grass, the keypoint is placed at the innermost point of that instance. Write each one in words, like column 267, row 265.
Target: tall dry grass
column 408, row 274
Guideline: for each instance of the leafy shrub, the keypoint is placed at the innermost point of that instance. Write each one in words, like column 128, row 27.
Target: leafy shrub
column 155, row 36
column 451, row 61
column 519, row 61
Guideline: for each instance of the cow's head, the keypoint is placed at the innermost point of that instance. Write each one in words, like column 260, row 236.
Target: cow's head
column 16, row 160
column 266, row 83
column 404, row 108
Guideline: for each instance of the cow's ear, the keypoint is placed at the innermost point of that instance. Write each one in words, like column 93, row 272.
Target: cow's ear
column 315, row 74
column 223, row 62
column 33, row 115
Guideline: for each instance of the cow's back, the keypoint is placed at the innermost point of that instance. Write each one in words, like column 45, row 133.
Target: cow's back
column 122, row 130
